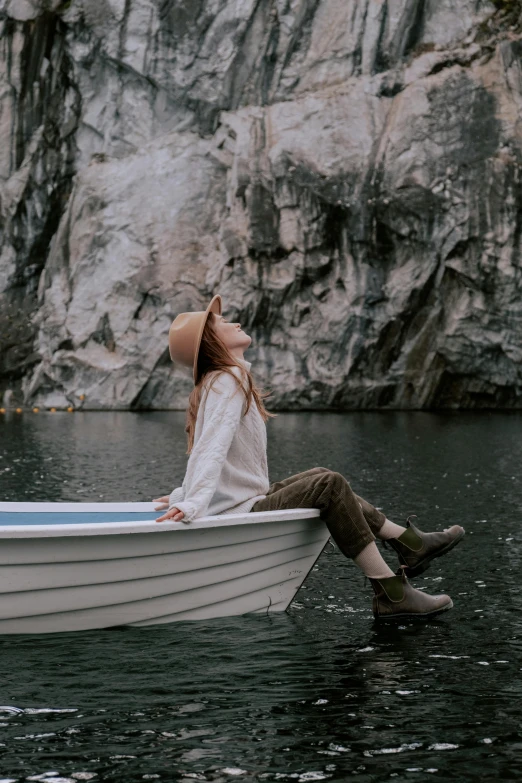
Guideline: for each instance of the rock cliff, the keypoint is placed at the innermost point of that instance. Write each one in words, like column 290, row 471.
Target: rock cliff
column 345, row 173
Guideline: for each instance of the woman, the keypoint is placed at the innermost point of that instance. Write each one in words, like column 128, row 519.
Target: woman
column 227, row 469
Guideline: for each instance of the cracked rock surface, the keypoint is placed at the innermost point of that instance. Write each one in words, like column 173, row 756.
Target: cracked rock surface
column 345, row 173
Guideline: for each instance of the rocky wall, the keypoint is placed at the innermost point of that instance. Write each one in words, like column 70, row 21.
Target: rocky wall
column 345, row 173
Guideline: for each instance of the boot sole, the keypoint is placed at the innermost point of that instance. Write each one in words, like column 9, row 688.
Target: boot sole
column 425, row 564
column 415, row 615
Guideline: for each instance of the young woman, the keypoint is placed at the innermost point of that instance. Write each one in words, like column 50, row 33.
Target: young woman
column 227, row 469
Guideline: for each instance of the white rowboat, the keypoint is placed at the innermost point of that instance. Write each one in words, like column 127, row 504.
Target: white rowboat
column 79, row 566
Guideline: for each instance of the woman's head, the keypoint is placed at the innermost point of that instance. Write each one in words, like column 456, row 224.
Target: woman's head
column 230, row 333
column 222, row 345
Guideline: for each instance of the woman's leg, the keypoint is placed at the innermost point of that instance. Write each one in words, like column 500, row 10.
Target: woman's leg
column 414, row 548
column 277, row 485
column 331, row 493
column 374, row 518
column 378, row 523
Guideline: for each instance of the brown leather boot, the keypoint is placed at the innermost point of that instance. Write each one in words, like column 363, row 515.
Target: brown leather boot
column 416, row 549
column 395, row 598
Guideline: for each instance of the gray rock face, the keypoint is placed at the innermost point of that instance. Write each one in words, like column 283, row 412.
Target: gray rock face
column 345, row 173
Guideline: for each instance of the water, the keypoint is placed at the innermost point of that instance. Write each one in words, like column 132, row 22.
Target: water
column 320, row 693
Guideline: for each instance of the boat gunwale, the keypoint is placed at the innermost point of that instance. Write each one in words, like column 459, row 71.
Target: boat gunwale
column 136, row 526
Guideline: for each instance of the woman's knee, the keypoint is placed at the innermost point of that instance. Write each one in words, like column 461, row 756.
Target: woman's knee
column 338, row 476
column 335, row 479
column 327, row 475
column 332, row 478
column 318, row 471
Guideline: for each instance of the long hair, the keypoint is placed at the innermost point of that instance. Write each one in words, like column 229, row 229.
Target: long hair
column 213, row 359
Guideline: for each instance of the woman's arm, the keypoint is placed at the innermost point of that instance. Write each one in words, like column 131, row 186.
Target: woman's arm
column 175, row 495
column 222, row 411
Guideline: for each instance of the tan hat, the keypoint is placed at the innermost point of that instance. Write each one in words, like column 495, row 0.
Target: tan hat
column 186, row 332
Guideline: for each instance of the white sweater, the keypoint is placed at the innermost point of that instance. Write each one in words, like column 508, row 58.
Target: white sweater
column 227, row 468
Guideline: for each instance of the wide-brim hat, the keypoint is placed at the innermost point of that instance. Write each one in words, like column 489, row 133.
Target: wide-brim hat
column 186, row 332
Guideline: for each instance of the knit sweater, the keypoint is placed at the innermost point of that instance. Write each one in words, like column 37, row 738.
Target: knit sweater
column 227, row 468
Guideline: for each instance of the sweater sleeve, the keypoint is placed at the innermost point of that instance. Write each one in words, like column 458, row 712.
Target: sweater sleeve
column 175, row 495
column 222, row 411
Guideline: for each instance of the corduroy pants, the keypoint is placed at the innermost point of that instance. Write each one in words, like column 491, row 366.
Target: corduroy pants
column 352, row 521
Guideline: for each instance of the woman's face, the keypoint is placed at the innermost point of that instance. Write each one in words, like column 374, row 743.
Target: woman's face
column 231, row 334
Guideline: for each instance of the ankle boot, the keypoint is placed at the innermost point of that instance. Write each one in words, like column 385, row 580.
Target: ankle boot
column 416, row 549
column 396, row 598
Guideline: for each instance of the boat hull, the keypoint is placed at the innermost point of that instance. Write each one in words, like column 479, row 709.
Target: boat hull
column 70, row 577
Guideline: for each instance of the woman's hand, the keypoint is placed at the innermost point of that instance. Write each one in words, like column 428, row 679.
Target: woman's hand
column 164, row 502
column 173, row 514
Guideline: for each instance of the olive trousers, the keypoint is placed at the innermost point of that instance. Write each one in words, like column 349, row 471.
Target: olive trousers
column 352, row 521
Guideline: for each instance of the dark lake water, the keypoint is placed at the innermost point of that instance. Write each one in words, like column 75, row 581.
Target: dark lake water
column 319, row 693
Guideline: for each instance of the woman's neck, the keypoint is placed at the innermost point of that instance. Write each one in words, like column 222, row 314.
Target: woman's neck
column 241, row 359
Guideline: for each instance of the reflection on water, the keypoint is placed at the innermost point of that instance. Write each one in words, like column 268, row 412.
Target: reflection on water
column 320, row 693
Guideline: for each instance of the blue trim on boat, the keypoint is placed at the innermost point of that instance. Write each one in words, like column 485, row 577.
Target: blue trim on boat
column 73, row 517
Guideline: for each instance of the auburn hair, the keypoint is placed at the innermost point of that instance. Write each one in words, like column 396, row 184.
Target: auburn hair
column 213, row 359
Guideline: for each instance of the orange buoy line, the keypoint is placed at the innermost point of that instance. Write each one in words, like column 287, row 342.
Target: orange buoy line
column 70, row 409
